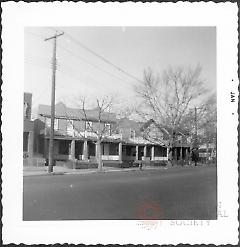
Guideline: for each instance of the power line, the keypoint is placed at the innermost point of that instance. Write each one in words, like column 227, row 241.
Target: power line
column 73, row 74
column 68, row 71
column 101, row 57
column 95, row 66
column 104, row 59
column 79, row 57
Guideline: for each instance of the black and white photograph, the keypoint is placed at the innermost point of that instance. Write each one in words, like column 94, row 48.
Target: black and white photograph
column 128, row 115
column 123, row 126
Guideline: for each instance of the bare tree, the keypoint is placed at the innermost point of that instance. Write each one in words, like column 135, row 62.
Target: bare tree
column 167, row 98
column 103, row 115
column 207, row 120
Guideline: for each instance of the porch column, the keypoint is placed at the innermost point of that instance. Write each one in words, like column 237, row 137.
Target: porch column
column 72, row 150
column 85, row 151
column 120, row 151
column 136, row 158
column 180, row 153
column 30, row 144
column 186, row 153
column 144, row 152
column 152, row 153
column 188, row 156
column 167, row 153
column 96, row 151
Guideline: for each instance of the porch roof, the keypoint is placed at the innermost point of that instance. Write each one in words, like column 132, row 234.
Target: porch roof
column 60, row 134
column 183, row 145
column 142, row 141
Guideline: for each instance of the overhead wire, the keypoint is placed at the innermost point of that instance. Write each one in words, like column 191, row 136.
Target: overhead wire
column 68, row 71
column 43, row 64
column 100, row 56
column 93, row 65
column 79, row 57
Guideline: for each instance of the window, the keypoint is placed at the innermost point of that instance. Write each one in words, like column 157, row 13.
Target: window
column 132, row 134
column 48, row 123
column 89, row 125
column 179, row 138
column 107, row 128
column 70, row 126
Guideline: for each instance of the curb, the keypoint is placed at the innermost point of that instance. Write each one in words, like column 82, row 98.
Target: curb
column 79, row 172
column 91, row 172
column 45, row 174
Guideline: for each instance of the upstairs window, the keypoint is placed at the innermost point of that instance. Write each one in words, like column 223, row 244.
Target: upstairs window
column 56, row 123
column 70, row 126
column 180, row 139
column 89, row 125
column 107, row 127
column 132, row 134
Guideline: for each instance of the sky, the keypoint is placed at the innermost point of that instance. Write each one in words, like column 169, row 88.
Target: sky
column 132, row 49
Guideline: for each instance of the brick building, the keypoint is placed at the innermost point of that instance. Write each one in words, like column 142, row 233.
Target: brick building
column 28, row 127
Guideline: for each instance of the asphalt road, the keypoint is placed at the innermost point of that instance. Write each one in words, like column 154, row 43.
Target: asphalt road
column 175, row 193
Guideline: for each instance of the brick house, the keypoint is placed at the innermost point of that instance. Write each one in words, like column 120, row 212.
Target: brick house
column 28, row 126
column 74, row 139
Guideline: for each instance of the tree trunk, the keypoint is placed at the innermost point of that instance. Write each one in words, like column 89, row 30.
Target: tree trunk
column 99, row 155
column 207, row 154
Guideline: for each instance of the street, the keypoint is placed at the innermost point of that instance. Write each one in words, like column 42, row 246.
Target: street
column 182, row 193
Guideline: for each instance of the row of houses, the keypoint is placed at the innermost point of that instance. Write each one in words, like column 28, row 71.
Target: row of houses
column 75, row 137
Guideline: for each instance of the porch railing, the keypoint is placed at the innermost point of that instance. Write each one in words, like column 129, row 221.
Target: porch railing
column 110, row 157
column 160, row 158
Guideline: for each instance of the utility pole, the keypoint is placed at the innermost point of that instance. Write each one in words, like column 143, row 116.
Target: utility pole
column 54, row 63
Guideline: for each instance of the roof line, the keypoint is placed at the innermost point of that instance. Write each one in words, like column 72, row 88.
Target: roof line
column 76, row 118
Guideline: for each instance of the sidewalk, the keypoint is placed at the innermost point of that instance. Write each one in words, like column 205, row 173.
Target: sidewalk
column 59, row 170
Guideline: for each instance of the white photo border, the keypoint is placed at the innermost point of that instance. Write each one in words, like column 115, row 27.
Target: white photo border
column 15, row 17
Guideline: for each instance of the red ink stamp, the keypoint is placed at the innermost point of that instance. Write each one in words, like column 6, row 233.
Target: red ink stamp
column 149, row 213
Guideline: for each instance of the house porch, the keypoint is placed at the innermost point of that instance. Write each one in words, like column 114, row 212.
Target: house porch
column 112, row 152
